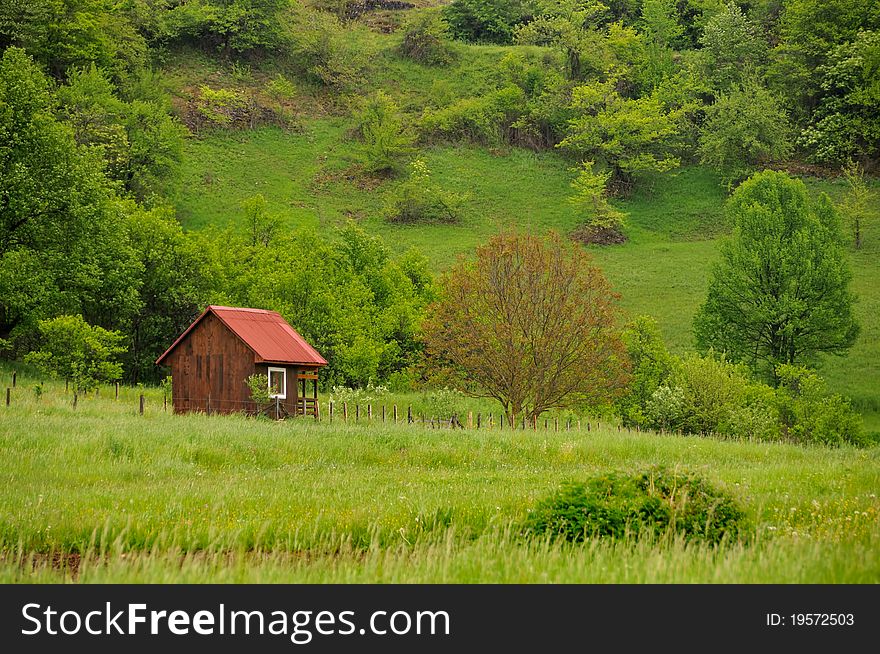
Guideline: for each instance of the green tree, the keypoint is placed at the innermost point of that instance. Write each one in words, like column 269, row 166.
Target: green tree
column 846, row 123
column 78, row 352
column 529, row 323
column 591, row 197
column 731, row 44
column 744, row 129
column 856, row 205
column 660, row 22
column 780, row 293
column 62, row 34
column 650, row 365
column 140, row 141
column 63, row 245
column 633, row 136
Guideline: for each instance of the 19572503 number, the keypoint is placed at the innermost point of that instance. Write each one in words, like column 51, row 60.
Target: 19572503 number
column 811, row 620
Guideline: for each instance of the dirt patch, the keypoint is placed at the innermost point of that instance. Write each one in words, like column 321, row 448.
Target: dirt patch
column 590, row 235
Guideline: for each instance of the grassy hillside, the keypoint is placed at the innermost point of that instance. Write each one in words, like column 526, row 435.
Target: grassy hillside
column 673, row 226
column 102, row 494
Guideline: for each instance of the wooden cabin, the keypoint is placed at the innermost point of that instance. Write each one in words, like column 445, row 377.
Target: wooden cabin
column 211, row 361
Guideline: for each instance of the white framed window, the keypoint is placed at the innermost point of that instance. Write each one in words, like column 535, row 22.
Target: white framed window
column 278, row 383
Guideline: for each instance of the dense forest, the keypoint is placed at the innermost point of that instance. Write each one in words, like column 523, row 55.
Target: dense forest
column 99, row 101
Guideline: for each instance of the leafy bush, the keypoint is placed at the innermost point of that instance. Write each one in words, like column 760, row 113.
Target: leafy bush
column 655, row 502
column 484, row 119
column 221, row 107
column 485, row 20
column 426, row 40
column 383, row 139
column 744, row 129
column 591, row 198
column 324, row 50
column 259, row 388
column 808, row 414
column 650, row 365
column 74, row 350
column 442, row 402
column 418, row 199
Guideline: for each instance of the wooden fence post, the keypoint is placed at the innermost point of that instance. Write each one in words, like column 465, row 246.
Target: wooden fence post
column 142, row 402
column 357, row 412
column 409, row 416
column 579, row 424
column 555, row 424
column 383, row 414
column 14, row 375
column 369, row 413
column 165, row 402
column 117, row 390
column 345, row 411
column 330, row 409
column 75, row 398
column 470, row 422
column 478, row 420
column 8, row 395
column 395, row 413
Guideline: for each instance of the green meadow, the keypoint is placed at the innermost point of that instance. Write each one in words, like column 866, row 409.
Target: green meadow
column 101, row 494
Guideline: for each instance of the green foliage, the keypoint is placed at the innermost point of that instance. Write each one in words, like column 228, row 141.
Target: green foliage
column 744, row 129
column 856, row 204
column 484, row 119
column 358, row 307
column 64, row 34
column 846, row 124
column 260, row 224
column 650, row 366
column 591, row 197
column 655, row 502
column 282, row 91
column 419, row 199
column 324, row 50
column 732, row 46
column 62, row 248
column 442, row 403
column 140, row 142
column 633, row 136
column 660, row 22
column 711, row 395
column 76, row 351
column 384, row 142
column 481, row 21
column 426, row 40
column 809, row 414
column 780, row 293
column 222, row 107
column 258, row 385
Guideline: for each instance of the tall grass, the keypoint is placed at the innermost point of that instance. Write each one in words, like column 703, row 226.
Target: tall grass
column 193, row 497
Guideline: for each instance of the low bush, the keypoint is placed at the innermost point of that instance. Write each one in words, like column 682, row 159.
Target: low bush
column 426, row 40
column 420, row 200
column 485, row 119
column 809, row 414
column 652, row 503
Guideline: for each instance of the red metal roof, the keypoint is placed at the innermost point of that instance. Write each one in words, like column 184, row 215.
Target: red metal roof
column 265, row 332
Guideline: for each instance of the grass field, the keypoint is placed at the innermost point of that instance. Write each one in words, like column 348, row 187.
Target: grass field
column 102, row 494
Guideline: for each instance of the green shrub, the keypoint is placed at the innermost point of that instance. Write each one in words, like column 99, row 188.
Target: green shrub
column 383, row 139
column 484, row 119
column 651, row 365
column 418, row 199
column 808, row 414
column 483, row 21
column 426, row 40
column 221, row 107
column 655, row 502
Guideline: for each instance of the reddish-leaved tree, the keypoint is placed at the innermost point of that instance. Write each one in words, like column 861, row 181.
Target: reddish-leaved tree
column 530, row 322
